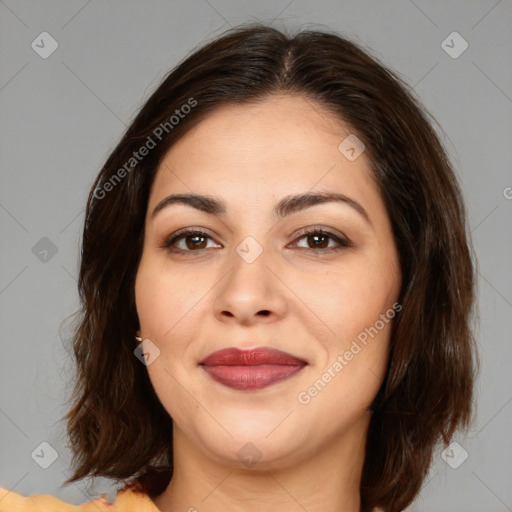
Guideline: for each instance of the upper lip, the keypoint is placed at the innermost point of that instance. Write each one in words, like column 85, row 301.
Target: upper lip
column 261, row 355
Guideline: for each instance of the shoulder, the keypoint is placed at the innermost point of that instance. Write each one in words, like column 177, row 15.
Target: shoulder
column 127, row 500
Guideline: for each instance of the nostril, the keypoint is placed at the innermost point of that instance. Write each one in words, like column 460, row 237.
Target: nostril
column 264, row 312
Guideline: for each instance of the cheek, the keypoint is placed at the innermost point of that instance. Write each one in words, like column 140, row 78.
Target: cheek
column 360, row 310
column 346, row 382
column 163, row 297
column 349, row 299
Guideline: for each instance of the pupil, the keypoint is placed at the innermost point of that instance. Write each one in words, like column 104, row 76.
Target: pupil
column 316, row 237
column 194, row 245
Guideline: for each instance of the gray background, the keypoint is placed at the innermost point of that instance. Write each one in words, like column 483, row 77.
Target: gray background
column 61, row 116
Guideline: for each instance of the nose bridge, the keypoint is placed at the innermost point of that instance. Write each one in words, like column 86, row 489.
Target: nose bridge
column 249, row 274
column 250, row 250
column 248, row 289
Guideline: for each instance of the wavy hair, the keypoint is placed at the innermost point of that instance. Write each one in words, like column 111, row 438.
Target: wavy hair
column 117, row 426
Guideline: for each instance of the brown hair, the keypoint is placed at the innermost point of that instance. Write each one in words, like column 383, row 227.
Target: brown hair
column 117, row 425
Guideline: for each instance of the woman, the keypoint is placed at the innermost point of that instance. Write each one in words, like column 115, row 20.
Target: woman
column 277, row 289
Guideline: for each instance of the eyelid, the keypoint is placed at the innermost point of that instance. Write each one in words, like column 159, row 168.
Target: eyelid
column 183, row 233
column 342, row 240
column 192, row 229
column 325, row 230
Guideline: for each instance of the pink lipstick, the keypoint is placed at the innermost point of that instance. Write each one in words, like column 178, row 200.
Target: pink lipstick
column 251, row 369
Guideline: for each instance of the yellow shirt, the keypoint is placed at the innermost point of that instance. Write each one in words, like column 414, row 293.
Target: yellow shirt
column 127, row 500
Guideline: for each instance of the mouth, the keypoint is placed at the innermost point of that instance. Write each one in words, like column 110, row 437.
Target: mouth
column 247, row 370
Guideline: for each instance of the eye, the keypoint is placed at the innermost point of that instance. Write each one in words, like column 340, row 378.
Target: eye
column 317, row 240
column 194, row 240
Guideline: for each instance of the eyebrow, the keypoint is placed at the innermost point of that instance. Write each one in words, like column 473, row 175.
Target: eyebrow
column 286, row 206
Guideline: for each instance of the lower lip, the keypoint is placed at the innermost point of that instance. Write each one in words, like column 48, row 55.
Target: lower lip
column 246, row 378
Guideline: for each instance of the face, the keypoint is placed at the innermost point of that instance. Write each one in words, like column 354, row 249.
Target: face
column 317, row 280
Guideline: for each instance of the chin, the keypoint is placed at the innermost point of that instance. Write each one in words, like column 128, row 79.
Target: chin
column 255, row 446
column 255, row 455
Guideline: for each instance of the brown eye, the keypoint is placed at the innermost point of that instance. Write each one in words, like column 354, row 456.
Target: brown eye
column 319, row 240
column 187, row 241
column 195, row 242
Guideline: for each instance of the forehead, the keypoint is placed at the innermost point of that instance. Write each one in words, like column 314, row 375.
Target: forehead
column 280, row 145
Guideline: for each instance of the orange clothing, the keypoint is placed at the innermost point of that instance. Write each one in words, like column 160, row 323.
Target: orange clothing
column 127, row 500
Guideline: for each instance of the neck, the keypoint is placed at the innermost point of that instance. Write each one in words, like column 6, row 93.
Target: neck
column 329, row 480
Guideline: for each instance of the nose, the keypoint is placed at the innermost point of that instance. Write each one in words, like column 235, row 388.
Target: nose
column 250, row 293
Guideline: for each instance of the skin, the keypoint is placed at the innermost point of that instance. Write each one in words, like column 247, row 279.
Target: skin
column 316, row 302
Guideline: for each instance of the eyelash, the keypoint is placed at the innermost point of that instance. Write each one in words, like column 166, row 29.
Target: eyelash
column 168, row 244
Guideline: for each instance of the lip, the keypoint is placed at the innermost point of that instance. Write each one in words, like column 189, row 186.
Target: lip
column 251, row 369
